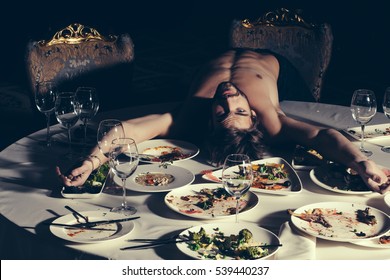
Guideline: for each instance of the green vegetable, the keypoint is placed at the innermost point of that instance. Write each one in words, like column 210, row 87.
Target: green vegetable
column 97, row 179
column 219, row 246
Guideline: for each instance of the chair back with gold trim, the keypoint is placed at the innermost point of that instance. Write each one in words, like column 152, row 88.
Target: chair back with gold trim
column 307, row 46
column 80, row 56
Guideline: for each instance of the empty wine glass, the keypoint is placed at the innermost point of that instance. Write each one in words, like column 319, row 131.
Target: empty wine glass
column 45, row 96
column 363, row 108
column 65, row 111
column 237, row 177
column 108, row 130
column 386, row 110
column 123, row 160
column 87, row 106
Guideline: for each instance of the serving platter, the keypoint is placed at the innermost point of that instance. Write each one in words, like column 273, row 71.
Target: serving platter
column 180, row 177
column 82, row 235
column 192, row 201
column 92, row 188
column 292, row 176
column 158, row 147
column 260, row 236
column 306, row 158
column 342, row 218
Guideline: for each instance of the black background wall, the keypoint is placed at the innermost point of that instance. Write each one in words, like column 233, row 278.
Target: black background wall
column 361, row 29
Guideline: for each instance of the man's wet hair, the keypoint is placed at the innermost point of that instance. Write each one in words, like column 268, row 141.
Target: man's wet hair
column 224, row 141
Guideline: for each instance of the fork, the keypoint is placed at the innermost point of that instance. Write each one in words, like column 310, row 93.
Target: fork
column 76, row 213
column 152, row 242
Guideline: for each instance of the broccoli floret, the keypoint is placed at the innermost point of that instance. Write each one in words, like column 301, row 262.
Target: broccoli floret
column 252, row 252
column 197, row 236
column 245, row 236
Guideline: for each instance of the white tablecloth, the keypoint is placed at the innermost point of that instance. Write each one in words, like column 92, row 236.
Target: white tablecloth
column 29, row 197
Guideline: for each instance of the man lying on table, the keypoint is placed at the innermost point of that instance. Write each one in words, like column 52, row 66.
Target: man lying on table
column 233, row 107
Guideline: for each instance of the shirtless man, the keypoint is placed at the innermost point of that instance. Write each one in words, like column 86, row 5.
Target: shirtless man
column 240, row 90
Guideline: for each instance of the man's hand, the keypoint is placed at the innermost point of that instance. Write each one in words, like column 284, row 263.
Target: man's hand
column 77, row 176
column 373, row 176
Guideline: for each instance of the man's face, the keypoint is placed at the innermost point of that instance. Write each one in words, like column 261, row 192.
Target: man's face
column 230, row 108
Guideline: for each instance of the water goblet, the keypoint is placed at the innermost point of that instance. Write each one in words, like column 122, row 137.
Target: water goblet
column 123, row 161
column 87, row 106
column 363, row 108
column 65, row 111
column 45, row 96
column 386, row 111
column 237, row 177
column 108, row 130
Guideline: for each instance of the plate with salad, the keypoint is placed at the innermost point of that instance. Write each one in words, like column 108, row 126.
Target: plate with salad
column 271, row 175
column 229, row 241
column 92, row 187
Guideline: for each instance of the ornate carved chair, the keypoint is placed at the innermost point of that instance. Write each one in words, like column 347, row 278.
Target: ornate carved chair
column 307, row 46
column 80, row 56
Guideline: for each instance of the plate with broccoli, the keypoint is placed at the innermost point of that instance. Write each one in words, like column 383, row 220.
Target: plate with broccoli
column 92, row 187
column 229, row 241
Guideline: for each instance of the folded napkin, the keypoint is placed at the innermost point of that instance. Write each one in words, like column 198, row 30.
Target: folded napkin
column 295, row 246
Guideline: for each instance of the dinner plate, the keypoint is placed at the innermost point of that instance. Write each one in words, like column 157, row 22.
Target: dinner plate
column 292, row 176
column 387, row 199
column 373, row 243
column 335, row 178
column 344, row 226
column 181, row 177
column 183, row 200
column 109, row 232
column 370, row 131
column 260, row 235
column 158, row 147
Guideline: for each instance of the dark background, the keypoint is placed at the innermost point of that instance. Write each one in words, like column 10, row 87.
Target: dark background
column 172, row 38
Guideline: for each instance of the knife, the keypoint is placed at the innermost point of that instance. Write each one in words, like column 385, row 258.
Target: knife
column 94, row 224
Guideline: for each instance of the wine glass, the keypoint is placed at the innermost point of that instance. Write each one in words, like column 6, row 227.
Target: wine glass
column 363, row 107
column 386, row 110
column 109, row 130
column 45, row 96
column 237, row 177
column 123, row 160
column 87, row 106
column 65, row 111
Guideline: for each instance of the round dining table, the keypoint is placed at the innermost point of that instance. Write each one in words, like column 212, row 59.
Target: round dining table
column 30, row 197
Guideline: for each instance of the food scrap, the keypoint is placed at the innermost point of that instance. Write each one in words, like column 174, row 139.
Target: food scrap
column 154, row 179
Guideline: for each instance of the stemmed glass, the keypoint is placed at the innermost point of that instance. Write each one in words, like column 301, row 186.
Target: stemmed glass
column 237, row 177
column 87, row 106
column 108, row 130
column 45, row 96
column 65, row 111
column 123, row 161
column 363, row 108
column 386, row 110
